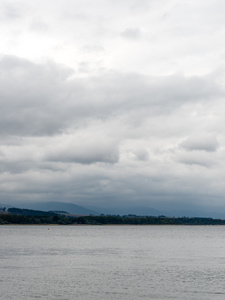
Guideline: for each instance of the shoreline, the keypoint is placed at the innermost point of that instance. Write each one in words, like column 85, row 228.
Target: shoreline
column 105, row 225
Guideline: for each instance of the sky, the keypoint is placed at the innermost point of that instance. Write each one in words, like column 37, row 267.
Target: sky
column 113, row 104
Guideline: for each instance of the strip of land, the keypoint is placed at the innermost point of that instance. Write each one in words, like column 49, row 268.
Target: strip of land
column 7, row 219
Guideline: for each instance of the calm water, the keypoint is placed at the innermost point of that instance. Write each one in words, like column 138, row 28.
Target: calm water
column 112, row 262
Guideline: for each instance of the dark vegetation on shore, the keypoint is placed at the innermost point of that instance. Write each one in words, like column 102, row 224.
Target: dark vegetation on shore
column 25, row 216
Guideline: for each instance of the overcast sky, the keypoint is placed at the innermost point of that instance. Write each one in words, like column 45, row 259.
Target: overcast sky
column 108, row 103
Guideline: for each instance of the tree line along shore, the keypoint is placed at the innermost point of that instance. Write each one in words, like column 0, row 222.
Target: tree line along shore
column 57, row 219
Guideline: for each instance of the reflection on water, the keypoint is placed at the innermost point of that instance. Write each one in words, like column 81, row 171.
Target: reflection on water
column 112, row 262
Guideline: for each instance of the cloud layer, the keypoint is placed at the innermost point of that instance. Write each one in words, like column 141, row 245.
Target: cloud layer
column 113, row 105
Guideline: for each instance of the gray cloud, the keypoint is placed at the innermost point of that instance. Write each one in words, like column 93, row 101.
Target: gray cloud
column 54, row 125
column 44, row 100
column 10, row 11
column 93, row 48
column 131, row 33
column 39, row 26
column 84, row 150
column 196, row 158
column 201, row 142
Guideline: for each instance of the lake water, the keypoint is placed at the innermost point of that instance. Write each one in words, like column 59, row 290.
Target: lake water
column 112, row 262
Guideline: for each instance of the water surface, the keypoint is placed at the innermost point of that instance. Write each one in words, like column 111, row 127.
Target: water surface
column 112, row 262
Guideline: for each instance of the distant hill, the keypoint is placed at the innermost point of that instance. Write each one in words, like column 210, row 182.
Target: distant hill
column 80, row 210
column 59, row 206
column 29, row 212
column 139, row 211
column 2, row 205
